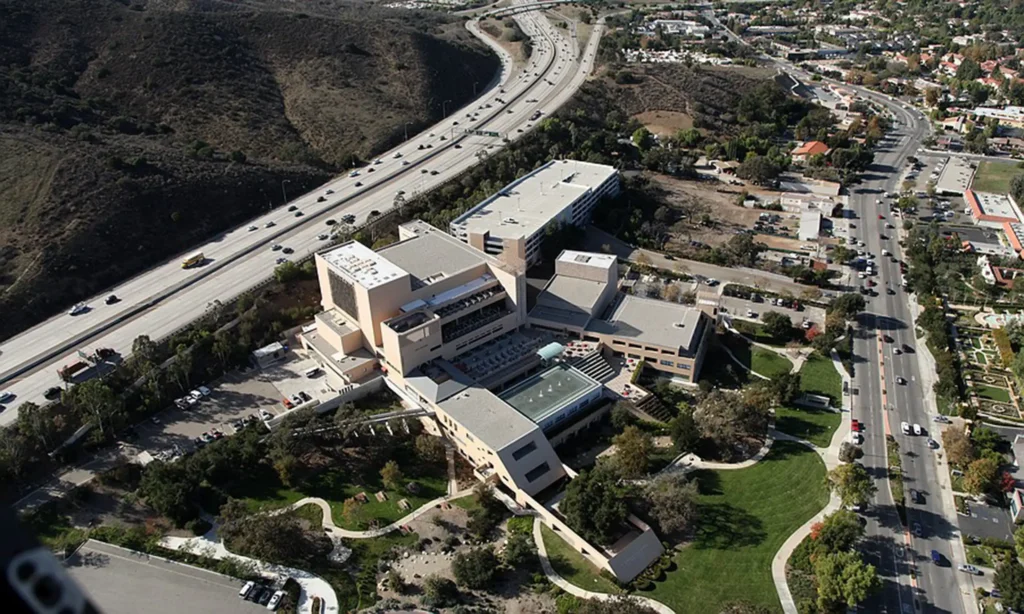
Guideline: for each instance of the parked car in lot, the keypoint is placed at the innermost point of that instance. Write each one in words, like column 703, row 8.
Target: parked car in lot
column 275, row 600
column 266, row 415
column 246, row 589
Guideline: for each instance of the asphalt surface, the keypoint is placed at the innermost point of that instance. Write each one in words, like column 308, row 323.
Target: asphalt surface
column 167, row 297
column 911, row 582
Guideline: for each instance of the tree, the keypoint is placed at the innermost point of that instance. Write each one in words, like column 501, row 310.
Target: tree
column 723, row 419
column 958, row 448
column 642, row 138
column 838, row 532
column 144, row 352
column 519, row 550
column 673, row 502
column 395, row 581
column 169, row 490
column 1018, row 540
column 97, row 401
column 439, row 592
column 633, row 449
column 276, row 538
column 847, row 305
column 391, row 475
column 619, row 605
column 684, row 432
column 759, row 170
column 222, row 348
column 430, row 448
column 843, row 579
column 1010, row 582
column 181, row 368
column 849, row 452
column 786, row 388
column 622, row 416
column 14, row 454
column 851, row 483
column 981, row 476
column 37, row 424
column 475, row 569
column 595, row 505
column 233, row 510
column 777, row 325
column 931, row 96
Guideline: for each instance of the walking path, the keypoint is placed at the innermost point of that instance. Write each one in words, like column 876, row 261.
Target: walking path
column 572, row 589
column 830, row 456
column 334, row 529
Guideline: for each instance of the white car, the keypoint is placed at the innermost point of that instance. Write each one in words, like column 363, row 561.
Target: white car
column 918, row 430
column 971, row 569
column 6, row 395
column 855, row 438
column 275, row 600
column 79, row 308
column 378, row 161
column 397, row 155
column 246, row 589
column 354, row 174
column 252, row 228
column 266, row 415
column 195, row 394
column 269, row 224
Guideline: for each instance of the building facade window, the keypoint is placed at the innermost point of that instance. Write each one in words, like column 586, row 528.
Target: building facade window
column 683, row 365
column 536, row 472
column 523, row 451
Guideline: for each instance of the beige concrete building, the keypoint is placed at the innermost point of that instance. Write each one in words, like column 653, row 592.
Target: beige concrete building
column 512, row 223
column 447, row 326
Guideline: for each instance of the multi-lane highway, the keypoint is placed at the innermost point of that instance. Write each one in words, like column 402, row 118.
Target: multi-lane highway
column 167, row 297
column 911, row 581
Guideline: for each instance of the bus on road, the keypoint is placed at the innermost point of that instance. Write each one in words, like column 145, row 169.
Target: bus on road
column 193, row 260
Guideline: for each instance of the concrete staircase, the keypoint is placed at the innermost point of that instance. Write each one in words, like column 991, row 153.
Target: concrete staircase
column 652, row 406
column 595, row 366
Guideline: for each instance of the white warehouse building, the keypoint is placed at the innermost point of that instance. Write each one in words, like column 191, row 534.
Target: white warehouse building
column 511, row 224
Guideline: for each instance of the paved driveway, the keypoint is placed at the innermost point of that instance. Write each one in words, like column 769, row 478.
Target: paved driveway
column 987, row 521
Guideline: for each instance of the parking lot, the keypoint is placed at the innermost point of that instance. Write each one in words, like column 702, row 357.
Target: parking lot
column 121, row 581
column 987, row 521
column 253, row 394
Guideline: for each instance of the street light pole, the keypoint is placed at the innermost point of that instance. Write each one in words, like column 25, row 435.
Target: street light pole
column 474, row 88
column 407, row 124
column 444, row 109
column 283, row 192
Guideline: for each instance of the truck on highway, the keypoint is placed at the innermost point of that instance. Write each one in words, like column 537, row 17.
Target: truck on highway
column 67, row 373
column 193, row 260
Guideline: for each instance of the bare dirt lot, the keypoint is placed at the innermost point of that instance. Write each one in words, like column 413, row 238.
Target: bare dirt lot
column 665, row 123
column 709, row 210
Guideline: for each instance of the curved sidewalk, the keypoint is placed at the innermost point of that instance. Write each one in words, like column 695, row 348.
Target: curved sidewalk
column 830, row 456
column 572, row 589
column 328, row 522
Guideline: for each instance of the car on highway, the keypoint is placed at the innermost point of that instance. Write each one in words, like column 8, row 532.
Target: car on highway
column 330, row 222
column 287, row 250
column 433, row 172
column 323, row 236
column 971, row 569
column 298, row 214
column 275, row 247
column 293, row 208
column 905, row 428
column 281, row 260
column 78, row 309
column 328, row 191
column 354, row 174
column 856, row 425
column 270, row 224
column 110, row 300
column 6, row 396
column 252, row 228
column 348, row 218
column 856, row 438
column 397, row 155
column 359, row 184
column 908, row 349
column 53, row 392
column 887, row 338
column 916, row 496
column 374, row 213
column 321, row 199
column 901, row 380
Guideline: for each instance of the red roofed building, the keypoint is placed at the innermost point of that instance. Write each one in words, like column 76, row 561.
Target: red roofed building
column 805, row 150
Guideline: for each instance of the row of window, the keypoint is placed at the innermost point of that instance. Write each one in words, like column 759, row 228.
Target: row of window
column 637, row 346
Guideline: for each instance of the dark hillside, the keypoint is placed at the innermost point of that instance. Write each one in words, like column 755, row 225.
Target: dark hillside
column 132, row 130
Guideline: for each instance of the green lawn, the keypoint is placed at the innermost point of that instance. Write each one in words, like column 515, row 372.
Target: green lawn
column 263, row 491
column 994, row 177
column 769, row 364
column 993, row 393
column 745, row 515
column 814, row 425
column 572, row 566
column 721, row 371
column 819, row 376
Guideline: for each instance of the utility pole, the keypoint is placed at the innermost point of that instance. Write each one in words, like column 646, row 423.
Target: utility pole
column 444, row 109
column 283, row 192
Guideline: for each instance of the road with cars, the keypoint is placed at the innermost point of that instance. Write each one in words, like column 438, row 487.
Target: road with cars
column 892, row 382
column 168, row 297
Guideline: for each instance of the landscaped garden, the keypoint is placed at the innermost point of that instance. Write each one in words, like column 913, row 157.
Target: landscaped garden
column 992, row 393
column 573, row 567
column 815, row 425
column 745, row 516
column 819, row 376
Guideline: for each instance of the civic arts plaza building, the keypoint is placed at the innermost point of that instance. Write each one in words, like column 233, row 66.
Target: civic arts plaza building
column 447, row 325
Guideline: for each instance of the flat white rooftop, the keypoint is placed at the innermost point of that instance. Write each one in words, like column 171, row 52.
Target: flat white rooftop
column 996, row 204
column 360, row 263
column 956, row 176
column 529, row 203
column 591, row 259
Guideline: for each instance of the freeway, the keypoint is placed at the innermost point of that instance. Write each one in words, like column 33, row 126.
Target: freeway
column 167, row 297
